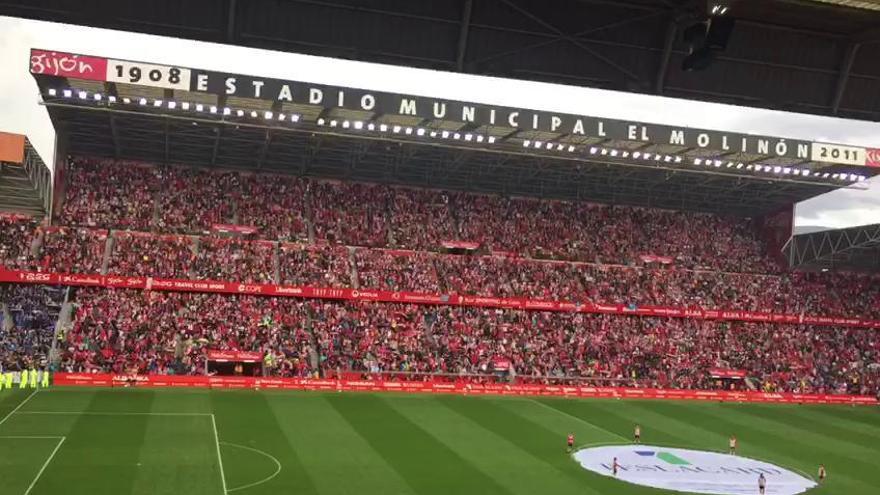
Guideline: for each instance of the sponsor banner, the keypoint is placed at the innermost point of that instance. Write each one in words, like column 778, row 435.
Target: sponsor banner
column 46, row 62
column 235, row 356
column 462, row 386
column 653, row 258
column 460, row 245
column 234, row 229
column 727, row 373
column 693, row 471
column 346, row 294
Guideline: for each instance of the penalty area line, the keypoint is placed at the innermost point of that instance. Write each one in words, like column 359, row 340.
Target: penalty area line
column 115, row 413
column 219, row 456
column 577, row 418
column 45, row 464
column 19, row 406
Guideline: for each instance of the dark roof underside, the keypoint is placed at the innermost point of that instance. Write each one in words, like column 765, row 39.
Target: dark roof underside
column 312, row 151
column 793, row 55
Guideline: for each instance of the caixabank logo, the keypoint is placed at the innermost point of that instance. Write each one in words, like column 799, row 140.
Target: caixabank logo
column 693, row 471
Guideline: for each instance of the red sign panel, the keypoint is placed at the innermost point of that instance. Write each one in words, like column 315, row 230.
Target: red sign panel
column 234, row 356
column 872, row 157
column 68, row 65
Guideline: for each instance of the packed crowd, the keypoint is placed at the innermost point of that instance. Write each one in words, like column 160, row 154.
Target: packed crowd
column 124, row 331
column 168, row 199
column 28, row 314
column 121, row 330
column 17, row 235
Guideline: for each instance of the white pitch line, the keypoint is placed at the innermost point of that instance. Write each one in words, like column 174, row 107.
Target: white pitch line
column 33, row 483
column 219, row 456
column 18, row 406
column 113, row 413
column 29, row 437
column 582, row 420
column 263, row 453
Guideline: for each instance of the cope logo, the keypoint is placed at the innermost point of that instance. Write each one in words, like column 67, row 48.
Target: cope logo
column 694, row 471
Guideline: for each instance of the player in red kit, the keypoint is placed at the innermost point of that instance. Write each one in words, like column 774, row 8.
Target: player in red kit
column 570, row 442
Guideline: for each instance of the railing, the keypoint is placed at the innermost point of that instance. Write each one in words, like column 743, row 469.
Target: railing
column 39, row 175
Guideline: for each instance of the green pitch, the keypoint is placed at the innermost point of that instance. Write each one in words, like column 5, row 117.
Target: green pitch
column 199, row 442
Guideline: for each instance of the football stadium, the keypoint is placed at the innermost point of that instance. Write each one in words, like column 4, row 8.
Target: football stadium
column 453, row 247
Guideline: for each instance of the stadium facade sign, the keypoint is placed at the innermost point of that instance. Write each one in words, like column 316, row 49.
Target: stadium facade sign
column 694, row 471
column 60, row 64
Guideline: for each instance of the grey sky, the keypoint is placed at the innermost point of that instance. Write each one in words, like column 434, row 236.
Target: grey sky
column 20, row 112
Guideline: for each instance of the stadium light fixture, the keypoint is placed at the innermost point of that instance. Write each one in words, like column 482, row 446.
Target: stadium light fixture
column 549, row 146
column 383, row 127
column 420, row 131
column 739, row 166
column 560, row 147
column 294, row 117
column 213, row 109
column 126, row 100
column 698, row 161
column 82, row 95
column 281, row 117
column 172, row 105
column 240, row 113
column 491, row 139
column 112, row 99
column 861, row 178
column 786, row 170
column 396, row 129
column 157, row 103
column 637, row 154
column 67, row 93
column 853, row 177
column 480, row 138
column 433, row 134
column 346, row 124
column 444, row 134
column 97, row 96
column 678, row 159
column 593, row 150
column 253, row 114
column 184, row 105
column 142, row 101
column 456, row 135
column 777, row 169
column 371, row 126
column 667, row 158
column 52, row 92
column 408, row 131
column 227, row 111
column 267, row 115
column 571, row 148
column 613, row 152
column 358, row 124
column 333, row 123
column 320, row 122
column 805, row 173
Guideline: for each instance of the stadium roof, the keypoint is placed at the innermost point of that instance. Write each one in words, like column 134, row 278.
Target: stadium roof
column 138, row 110
column 854, row 248
column 812, row 56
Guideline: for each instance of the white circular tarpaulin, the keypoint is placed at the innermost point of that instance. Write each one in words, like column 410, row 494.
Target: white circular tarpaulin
column 694, row 471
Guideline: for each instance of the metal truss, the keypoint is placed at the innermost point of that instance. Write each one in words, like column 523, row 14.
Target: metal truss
column 855, row 248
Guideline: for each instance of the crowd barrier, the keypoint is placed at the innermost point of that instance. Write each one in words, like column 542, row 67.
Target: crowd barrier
column 348, row 294
column 446, row 387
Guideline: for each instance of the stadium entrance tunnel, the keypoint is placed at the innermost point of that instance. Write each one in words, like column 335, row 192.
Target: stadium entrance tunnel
column 694, row 471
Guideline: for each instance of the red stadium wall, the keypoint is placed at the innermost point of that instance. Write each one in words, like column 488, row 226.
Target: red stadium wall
column 444, row 387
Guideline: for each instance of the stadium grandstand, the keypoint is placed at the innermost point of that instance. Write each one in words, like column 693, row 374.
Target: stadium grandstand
column 214, row 228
